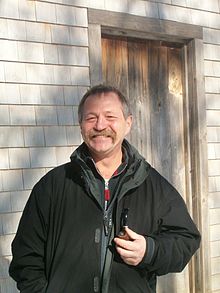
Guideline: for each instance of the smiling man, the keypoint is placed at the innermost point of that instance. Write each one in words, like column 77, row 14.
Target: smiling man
column 106, row 221
column 104, row 126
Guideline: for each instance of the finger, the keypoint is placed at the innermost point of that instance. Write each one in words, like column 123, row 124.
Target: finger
column 125, row 244
column 132, row 235
column 124, row 253
column 128, row 257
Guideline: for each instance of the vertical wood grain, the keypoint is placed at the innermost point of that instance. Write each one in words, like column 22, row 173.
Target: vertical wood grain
column 95, row 54
column 153, row 76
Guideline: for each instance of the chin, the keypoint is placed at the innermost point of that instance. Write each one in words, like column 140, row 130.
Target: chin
column 101, row 150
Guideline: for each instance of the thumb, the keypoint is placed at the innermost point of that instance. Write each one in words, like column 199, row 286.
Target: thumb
column 132, row 235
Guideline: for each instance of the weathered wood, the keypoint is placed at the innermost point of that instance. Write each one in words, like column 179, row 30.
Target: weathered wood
column 215, row 248
column 138, row 88
column 214, row 216
column 214, row 151
column 216, row 265
column 214, row 183
column 141, row 35
column 95, row 54
column 160, row 124
column 115, row 63
column 216, row 283
column 213, row 134
column 175, row 97
column 214, row 201
column 212, row 68
column 213, row 101
column 214, row 168
column 213, row 117
column 152, row 74
column 212, row 85
column 214, row 233
column 194, row 119
column 198, row 146
column 158, row 27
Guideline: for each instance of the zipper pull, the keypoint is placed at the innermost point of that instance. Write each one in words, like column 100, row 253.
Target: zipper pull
column 106, row 225
column 106, row 194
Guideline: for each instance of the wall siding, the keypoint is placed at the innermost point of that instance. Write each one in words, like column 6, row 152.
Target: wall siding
column 44, row 70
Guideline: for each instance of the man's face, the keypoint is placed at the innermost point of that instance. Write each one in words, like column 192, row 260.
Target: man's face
column 103, row 125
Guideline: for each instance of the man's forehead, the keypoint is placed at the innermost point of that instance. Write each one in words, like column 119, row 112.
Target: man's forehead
column 103, row 95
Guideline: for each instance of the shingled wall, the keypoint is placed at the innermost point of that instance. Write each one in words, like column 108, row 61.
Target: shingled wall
column 44, row 70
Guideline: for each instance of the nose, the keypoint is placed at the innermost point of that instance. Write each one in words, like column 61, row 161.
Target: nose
column 101, row 123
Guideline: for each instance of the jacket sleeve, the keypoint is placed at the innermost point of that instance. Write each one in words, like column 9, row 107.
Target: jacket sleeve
column 28, row 267
column 176, row 238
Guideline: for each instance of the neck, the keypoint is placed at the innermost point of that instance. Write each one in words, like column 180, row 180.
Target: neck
column 108, row 165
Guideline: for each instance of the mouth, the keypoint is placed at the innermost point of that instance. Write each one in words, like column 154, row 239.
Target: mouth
column 103, row 136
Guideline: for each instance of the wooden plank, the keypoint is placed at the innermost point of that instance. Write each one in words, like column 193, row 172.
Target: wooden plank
column 214, row 201
column 165, row 86
column 215, row 265
column 214, row 183
column 213, row 101
column 212, row 68
column 175, row 97
column 178, row 167
column 162, row 117
column 214, row 167
column 213, row 117
column 160, row 110
column 216, row 283
column 198, row 146
column 214, row 233
column 214, row 151
column 95, row 54
column 125, row 21
column 140, row 35
column 211, row 36
column 115, row 64
column 213, row 134
column 212, row 85
column 215, row 248
column 211, row 52
column 159, row 120
column 138, row 96
column 214, row 216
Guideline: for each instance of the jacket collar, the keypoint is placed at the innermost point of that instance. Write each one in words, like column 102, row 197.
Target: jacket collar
column 137, row 169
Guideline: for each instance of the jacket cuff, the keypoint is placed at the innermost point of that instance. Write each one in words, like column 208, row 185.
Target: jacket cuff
column 149, row 252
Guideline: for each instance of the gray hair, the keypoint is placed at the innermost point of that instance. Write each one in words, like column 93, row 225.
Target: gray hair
column 100, row 89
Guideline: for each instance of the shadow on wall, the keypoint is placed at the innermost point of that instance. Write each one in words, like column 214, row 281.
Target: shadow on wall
column 38, row 125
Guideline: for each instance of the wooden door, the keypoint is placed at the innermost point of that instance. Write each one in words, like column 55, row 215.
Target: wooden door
column 150, row 74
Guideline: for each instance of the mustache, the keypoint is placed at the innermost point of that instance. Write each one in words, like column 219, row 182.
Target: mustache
column 105, row 132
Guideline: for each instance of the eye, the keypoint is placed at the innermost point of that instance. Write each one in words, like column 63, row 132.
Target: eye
column 90, row 118
column 111, row 117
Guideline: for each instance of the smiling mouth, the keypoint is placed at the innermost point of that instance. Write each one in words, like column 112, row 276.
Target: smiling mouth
column 107, row 136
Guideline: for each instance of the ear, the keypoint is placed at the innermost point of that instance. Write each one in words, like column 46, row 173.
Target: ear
column 129, row 120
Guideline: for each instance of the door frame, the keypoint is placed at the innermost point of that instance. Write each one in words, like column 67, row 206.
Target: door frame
column 191, row 37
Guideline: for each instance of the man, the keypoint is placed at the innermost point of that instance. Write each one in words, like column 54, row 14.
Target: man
column 73, row 235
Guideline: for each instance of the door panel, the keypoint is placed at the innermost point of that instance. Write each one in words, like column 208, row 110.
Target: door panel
column 150, row 74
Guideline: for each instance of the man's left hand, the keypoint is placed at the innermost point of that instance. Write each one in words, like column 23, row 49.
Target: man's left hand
column 131, row 251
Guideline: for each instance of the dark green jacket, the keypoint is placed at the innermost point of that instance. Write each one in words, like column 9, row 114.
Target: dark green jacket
column 58, row 246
